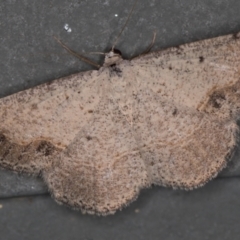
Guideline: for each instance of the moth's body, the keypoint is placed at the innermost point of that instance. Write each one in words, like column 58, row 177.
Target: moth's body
column 98, row 137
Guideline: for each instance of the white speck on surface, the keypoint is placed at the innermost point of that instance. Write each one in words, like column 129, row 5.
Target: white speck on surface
column 67, row 28
column 116, row 15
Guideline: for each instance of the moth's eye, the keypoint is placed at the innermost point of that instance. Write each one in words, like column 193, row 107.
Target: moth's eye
column 116, row 51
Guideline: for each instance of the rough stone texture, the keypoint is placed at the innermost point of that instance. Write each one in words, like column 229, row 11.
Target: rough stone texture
column 14, row 184
column 210, row 212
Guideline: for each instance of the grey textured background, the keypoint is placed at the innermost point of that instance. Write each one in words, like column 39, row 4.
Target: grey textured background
column 30, row 56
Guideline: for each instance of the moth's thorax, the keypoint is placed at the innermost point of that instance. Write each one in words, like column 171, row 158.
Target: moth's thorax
column 112, row 58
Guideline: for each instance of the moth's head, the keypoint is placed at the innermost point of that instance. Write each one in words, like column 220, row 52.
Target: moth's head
column 113, row 57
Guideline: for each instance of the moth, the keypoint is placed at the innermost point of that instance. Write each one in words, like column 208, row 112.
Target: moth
column 97, row 138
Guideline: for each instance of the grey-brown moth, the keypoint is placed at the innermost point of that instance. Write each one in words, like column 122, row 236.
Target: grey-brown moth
column 98, row 137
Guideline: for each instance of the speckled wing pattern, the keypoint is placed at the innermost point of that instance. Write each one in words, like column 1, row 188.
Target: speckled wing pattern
column 98, row 137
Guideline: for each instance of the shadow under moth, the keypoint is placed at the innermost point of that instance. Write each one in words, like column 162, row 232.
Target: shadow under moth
column 98, row 137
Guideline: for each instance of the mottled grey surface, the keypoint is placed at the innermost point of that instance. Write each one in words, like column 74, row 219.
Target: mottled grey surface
column 29, row 56
column 159, row 213
column 14, row 184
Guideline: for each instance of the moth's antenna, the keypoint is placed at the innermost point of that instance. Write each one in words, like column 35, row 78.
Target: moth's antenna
column 77, row 54
column 148, row 48
column 97, row 53
column 129, row 16
column 151, row 45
